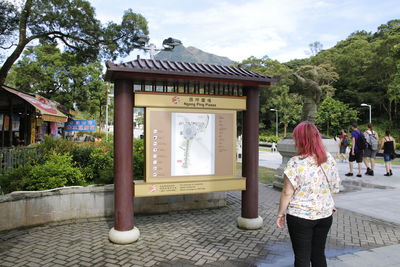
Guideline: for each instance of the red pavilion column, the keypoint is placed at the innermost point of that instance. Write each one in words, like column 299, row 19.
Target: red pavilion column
column 250, row 218
column 124, row 231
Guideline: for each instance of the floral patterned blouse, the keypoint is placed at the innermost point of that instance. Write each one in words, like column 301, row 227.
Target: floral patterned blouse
column 312, row 198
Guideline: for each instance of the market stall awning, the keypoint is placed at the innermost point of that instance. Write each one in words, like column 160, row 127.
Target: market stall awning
column 44, row 106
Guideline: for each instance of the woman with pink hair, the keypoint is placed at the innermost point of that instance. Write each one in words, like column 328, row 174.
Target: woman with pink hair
column 306, row 203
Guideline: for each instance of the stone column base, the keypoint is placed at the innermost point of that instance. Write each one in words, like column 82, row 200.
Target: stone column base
column 250, row 224
column 124, row 237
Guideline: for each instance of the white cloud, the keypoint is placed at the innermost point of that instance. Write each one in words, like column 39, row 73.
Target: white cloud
column 281, row 29
column 238, row 31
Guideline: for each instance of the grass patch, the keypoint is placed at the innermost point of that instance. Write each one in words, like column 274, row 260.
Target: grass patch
column 265, row 175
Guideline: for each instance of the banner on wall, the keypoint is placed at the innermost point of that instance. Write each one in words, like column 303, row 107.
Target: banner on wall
column 80, row 125
column 15, row 123
column 6, row 122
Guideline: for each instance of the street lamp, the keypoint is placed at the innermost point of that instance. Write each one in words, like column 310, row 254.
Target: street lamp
column 276, row 120
column 107, row 103
column 369, row 106
column 168, row 45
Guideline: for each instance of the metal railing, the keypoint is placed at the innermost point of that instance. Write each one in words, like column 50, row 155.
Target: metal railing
column 11, row 158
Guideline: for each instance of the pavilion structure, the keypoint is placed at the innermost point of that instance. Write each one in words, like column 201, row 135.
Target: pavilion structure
column 177, row 80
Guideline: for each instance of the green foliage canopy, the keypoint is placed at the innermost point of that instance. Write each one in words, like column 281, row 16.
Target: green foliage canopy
column 61, row 77
column 276, row 96
column 72, row 23
column 334, row 115
column 368, row 65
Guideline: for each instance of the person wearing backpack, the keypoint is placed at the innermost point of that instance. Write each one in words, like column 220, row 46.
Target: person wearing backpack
column 357, row 150
column 372, row 148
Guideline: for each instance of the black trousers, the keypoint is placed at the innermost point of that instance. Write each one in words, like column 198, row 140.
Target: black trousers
column 308, row 240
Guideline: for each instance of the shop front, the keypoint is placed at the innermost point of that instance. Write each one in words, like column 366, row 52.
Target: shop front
column 27, row 119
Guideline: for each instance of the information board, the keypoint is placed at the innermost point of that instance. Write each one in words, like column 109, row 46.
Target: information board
column 185, row 145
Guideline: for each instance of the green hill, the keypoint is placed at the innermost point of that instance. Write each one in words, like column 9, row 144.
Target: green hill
column 194, row 55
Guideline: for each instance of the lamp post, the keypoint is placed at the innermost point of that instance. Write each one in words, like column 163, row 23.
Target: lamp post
column 369, row 106
column 276, row 120
column 107, row 103
column 168, row 45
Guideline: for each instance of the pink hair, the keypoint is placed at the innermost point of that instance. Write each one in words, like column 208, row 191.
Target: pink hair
column 309, row 142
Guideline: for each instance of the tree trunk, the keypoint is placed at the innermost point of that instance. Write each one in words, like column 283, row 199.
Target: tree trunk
column 10, row 62
column 22, row 42
column 285, row 125
column 395, row 113
column 327, row 128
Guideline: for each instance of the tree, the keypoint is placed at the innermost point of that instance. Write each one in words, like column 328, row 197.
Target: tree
column 352, row 59
column 71, row 23
column 393, row 91
column 289, row 106
column 387, row 61
column 264, row 66
column 315, row 48
column 277, row 95
column 334, row 115
column 367, row 64
column 62, row 77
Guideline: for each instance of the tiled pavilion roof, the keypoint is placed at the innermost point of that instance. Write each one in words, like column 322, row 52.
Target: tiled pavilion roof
column 160, row 69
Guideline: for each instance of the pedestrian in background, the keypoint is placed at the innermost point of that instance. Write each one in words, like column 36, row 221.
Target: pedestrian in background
column 356, row 152
column 306, row 201
column 388, row 145
column 344, row 143
column 372, row 138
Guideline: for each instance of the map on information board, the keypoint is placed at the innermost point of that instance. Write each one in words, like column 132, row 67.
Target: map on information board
column 192, row 144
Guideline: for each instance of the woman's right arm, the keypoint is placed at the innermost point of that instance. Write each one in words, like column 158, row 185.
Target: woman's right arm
column 286, row 196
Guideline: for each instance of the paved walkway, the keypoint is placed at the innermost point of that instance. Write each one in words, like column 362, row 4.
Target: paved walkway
column 209, row 238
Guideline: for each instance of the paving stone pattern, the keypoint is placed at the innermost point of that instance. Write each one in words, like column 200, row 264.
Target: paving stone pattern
column 191, row 238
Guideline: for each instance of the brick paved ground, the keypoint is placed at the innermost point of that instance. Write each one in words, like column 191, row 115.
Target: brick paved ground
column 205, row 237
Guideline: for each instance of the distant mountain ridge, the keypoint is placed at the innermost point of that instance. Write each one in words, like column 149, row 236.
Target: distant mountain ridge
column 193, row 55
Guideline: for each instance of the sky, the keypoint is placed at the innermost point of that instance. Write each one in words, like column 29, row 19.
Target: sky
column 238, row 29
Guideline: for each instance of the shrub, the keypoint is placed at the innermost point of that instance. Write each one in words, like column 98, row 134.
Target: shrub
column 273, row 139
column 139, row 160
column 96, row 134
column 270, row 139
column 81, row 153
column 263, row 139
column 81, row 156
column 57, row 171
column 101, row 164
column 50, row 145
column 64, row 163
column 14, row 180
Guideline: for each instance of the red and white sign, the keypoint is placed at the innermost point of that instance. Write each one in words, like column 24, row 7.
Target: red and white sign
column 175, row 100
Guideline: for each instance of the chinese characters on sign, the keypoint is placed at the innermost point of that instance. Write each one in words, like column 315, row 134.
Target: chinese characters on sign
column 200, row 102
column 80, row 125
column 143, row 99
column 187, row 144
